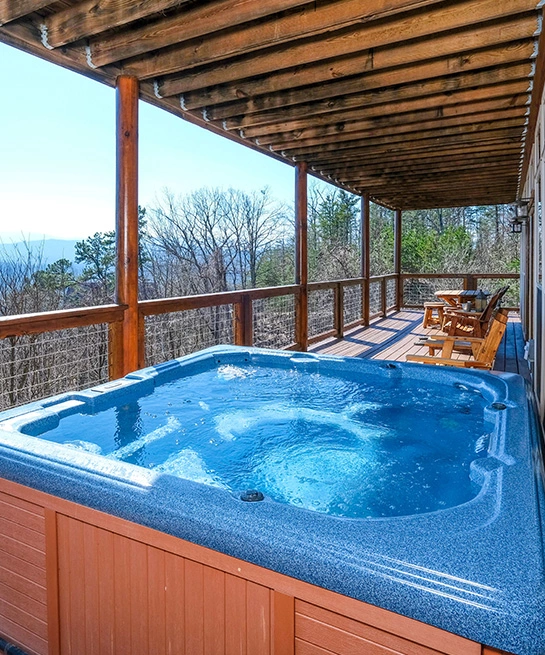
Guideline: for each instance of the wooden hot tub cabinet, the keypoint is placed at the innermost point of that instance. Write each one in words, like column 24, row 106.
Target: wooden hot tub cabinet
column 75, row 581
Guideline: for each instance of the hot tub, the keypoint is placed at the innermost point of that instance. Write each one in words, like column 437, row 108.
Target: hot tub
column 418, row 490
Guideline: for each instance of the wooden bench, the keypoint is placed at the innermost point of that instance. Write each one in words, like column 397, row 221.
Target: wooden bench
column 430, row 318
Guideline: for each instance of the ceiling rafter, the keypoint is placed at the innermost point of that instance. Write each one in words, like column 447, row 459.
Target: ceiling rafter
column 339, row 56
column 260, row 98
column 94, row 16
column 10, row 10
column 421, row 103
column 389, row 99
column 377, row 121
column 308, row 20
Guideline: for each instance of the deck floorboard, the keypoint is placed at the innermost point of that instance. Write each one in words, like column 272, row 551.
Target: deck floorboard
column 396, row 336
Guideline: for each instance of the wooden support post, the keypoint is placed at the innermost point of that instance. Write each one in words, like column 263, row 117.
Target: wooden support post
column 365, row 257
column 301, row 255
column 383, row 296
column 127, row 224
column 397, row 259
column 470, row 283
column 339, row 310
column 243, row 319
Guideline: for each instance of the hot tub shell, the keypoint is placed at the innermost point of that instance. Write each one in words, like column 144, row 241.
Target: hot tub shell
column 272, row 578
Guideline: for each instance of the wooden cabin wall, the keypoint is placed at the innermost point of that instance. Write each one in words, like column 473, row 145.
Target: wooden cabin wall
column 533, row 257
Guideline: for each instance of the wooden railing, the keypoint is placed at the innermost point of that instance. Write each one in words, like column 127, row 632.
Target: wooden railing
column 333, row 308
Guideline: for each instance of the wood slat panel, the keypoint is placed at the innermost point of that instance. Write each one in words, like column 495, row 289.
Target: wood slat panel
column 174, row 600
column 308, row 21
column 23, row 610
column 495, row 48
column 304, row 648
column 214, row 599
column 345, row 636
column 145, row 600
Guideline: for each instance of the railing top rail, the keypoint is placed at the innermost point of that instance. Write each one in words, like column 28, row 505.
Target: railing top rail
column 184, row 303
column 14, row 326
column 492, row 276
column 386, row 276
column 347, row 282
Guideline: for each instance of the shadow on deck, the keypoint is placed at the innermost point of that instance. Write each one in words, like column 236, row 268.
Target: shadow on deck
column 394, row 337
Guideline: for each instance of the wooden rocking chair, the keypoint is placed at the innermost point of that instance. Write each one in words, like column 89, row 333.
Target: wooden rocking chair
column 457, row 322
column 482, row 350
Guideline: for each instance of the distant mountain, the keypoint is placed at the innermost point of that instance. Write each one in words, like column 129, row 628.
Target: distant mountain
column 51, row 249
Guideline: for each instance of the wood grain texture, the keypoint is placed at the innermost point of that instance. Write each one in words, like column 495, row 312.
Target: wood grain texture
column 144, row 598
column 23, row 604
column 127, row 229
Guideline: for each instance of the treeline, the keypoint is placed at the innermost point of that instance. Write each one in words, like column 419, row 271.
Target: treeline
column 215, row 240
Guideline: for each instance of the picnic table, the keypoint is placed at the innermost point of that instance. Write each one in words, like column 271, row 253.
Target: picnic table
column 455, row 297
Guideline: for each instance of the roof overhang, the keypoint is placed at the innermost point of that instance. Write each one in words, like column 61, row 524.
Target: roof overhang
column 419, row 103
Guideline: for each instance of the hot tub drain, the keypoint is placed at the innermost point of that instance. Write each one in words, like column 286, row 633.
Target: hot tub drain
column 499, row 406
column 251, row 496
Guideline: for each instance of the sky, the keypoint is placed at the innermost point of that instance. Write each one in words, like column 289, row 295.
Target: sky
column 57, row 154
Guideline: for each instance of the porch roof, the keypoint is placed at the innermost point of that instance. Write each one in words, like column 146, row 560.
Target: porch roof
column 420, row 103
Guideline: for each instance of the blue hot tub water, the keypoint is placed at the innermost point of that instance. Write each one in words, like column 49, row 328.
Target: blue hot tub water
column 333, row 443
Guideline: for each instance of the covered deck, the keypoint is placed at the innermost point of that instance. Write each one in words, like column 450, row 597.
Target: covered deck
column 395, row 336
column 412, row 104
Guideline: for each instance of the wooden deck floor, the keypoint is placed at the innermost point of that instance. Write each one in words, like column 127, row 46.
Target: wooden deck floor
column 394, row 337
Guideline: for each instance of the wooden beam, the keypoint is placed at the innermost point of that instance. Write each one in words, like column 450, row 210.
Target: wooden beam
column 263, row 110
column 537, row 93
column 304, row 22
column 462, row 189
column 93, row 16
column 127, row 221
column 387, row 159
column 397, row 257
column 365, row 255
column 12, row 10
column 438, row 179
column 386, row 152
column 258, row 75
column 197, row 21
column 444, row 162
column 337, row 134
column 467, row 111
column 497, row 95
column 441, row 89
column 511, row 126
column 385, row 47
column 301, row 254
column 498, row 56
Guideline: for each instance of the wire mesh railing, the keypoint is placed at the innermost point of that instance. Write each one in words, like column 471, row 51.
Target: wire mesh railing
column 35, row 366
column 175, row 334
column 491, row 285
column 375, row 297
column 391, row 292
column 418, row 290
column 274, row 322
column 352, row 303
column 321, row 311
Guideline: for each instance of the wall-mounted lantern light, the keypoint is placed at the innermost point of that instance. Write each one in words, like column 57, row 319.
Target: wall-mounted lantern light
column 521, row 213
